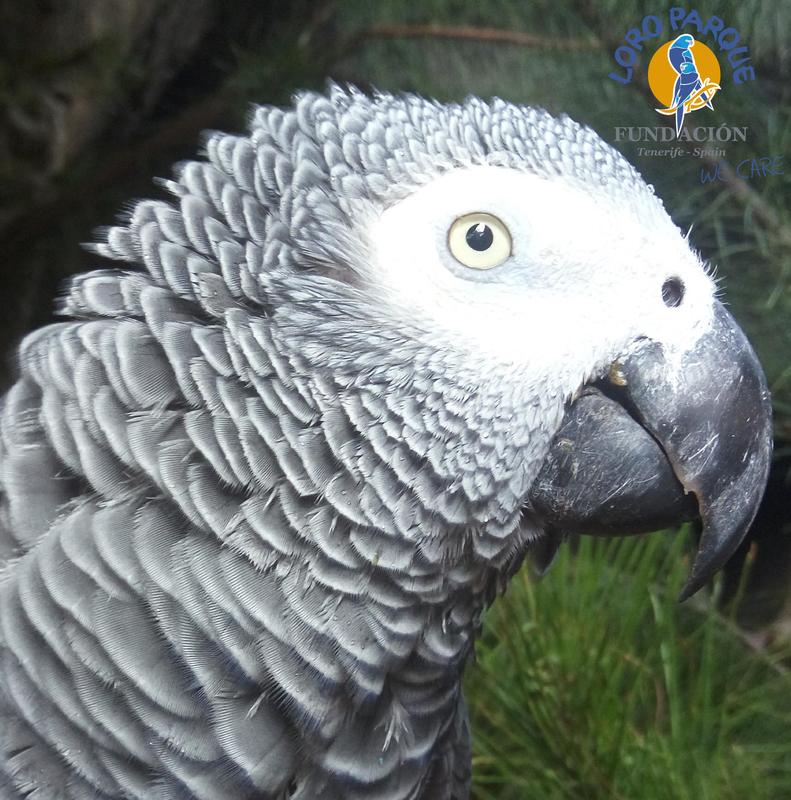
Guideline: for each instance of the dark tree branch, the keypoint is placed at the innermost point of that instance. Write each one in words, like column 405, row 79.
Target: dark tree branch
column 475, row 34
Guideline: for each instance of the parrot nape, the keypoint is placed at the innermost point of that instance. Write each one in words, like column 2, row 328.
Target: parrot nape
column 261, row 482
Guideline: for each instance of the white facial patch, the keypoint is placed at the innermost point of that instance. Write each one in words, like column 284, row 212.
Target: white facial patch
column 584, row 278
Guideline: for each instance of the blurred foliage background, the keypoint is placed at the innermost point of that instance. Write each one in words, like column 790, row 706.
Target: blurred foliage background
column 592, row 683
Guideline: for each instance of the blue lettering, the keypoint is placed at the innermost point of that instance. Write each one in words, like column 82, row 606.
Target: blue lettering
column 652, row 26
column 693, row 18
column 735, row 52
column 728, row 38
column 744, row 74
column 676, row 15
column 634, row 37
column 624, row 79
column 714, row 26
column 707, row 176
column 625, row 56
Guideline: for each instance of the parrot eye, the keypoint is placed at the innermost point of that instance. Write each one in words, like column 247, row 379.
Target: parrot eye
column 479, row 241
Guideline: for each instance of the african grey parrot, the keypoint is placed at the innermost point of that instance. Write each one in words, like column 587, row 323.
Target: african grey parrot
column 262, row 481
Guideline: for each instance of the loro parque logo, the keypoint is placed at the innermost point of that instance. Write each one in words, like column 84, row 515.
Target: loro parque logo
column 684, row 72
column 683, row 81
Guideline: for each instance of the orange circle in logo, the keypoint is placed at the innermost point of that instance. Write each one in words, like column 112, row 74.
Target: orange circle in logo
column 662, row 77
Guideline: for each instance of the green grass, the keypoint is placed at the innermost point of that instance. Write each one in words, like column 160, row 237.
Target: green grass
column 595, row 683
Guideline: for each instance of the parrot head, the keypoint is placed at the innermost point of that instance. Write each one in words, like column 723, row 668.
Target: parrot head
column 683, row 42
column 545, row 349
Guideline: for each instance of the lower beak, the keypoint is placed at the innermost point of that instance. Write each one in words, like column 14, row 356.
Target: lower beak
column 679, row 438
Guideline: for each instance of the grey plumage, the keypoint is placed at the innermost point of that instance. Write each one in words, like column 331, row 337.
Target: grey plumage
column 251, row 510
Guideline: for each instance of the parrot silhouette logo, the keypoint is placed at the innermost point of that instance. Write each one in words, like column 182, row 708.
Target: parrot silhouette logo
column 691, row 90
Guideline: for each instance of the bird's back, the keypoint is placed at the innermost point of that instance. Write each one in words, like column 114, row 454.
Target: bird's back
column 181, row 614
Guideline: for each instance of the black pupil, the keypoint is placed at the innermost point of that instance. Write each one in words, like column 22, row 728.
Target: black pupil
column 673, row 292
column 480, row 237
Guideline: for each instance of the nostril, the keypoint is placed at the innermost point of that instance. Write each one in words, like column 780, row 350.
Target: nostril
column 673, row 292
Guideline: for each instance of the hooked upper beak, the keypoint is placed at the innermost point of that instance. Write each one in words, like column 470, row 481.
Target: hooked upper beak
column 679, row 438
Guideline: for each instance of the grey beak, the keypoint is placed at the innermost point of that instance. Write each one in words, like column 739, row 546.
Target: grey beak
column 631, row 458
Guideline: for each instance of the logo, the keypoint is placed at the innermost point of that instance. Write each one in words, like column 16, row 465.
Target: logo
column 684, row 76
